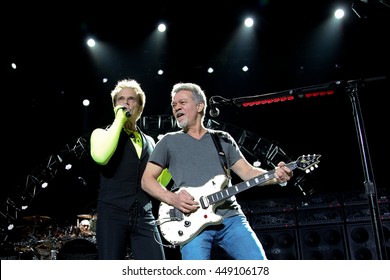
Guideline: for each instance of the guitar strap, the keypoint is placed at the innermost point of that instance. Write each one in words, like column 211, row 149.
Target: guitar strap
column 221, row 153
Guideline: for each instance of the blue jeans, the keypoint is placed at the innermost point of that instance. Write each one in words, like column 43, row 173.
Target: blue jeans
column 234, row 235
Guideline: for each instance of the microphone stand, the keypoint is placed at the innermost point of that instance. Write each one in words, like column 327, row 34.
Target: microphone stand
column 369, row 183
column 291, row 93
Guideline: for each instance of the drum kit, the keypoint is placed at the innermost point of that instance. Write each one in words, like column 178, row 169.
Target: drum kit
column 38, row 239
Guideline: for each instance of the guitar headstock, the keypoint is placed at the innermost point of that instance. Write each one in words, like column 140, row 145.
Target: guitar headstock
column 308, row 162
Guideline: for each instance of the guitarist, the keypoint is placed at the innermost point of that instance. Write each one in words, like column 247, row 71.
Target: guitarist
column 191, row 158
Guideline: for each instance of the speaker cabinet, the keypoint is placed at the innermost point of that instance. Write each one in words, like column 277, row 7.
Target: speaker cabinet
column 386, row 236
column 362, row 245
column 272, row 220
column 323, row 243
column 279, row 244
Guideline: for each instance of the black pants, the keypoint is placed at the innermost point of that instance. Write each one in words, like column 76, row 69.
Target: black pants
column 117, row 230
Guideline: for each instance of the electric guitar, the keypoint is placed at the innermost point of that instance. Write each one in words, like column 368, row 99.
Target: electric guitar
column 179, row 228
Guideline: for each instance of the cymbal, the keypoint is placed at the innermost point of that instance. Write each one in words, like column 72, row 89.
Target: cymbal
column 36, row 218
column 85, row 216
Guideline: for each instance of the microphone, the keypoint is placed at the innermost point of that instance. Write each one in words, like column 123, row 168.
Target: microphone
column 214, row 111
column 127, row 112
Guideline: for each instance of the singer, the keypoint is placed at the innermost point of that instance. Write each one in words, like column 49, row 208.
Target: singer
column 125, row 227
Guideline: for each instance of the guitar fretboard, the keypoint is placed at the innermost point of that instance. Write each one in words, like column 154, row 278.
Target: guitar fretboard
column 243, row 186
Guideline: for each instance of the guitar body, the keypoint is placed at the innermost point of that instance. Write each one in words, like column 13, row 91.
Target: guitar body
column 178, row 228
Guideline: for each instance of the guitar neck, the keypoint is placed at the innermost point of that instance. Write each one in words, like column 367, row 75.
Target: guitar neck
column 243, row 186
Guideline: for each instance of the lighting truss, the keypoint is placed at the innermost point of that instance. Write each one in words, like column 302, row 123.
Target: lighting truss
column 39, row 177
column 254, row 148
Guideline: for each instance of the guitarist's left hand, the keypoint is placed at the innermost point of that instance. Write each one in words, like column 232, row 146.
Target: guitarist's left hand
column 282, row 173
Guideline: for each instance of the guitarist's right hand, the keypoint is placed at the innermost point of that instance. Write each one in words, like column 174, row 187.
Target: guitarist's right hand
column 185, row 202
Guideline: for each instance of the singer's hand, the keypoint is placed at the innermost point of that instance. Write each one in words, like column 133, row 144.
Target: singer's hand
column 121, row 113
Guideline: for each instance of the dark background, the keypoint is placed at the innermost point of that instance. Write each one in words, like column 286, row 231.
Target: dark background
column 42, row 110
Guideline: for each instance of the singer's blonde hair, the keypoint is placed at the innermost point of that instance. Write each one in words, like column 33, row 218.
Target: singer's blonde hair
column 133, row 84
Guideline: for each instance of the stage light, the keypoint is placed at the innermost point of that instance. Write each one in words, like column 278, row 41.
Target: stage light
column 162, row 27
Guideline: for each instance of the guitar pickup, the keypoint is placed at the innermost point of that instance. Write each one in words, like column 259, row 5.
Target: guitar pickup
column 175, row 214
column 204, row 202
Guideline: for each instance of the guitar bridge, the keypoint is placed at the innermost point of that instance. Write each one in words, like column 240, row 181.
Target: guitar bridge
column 175, row 214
